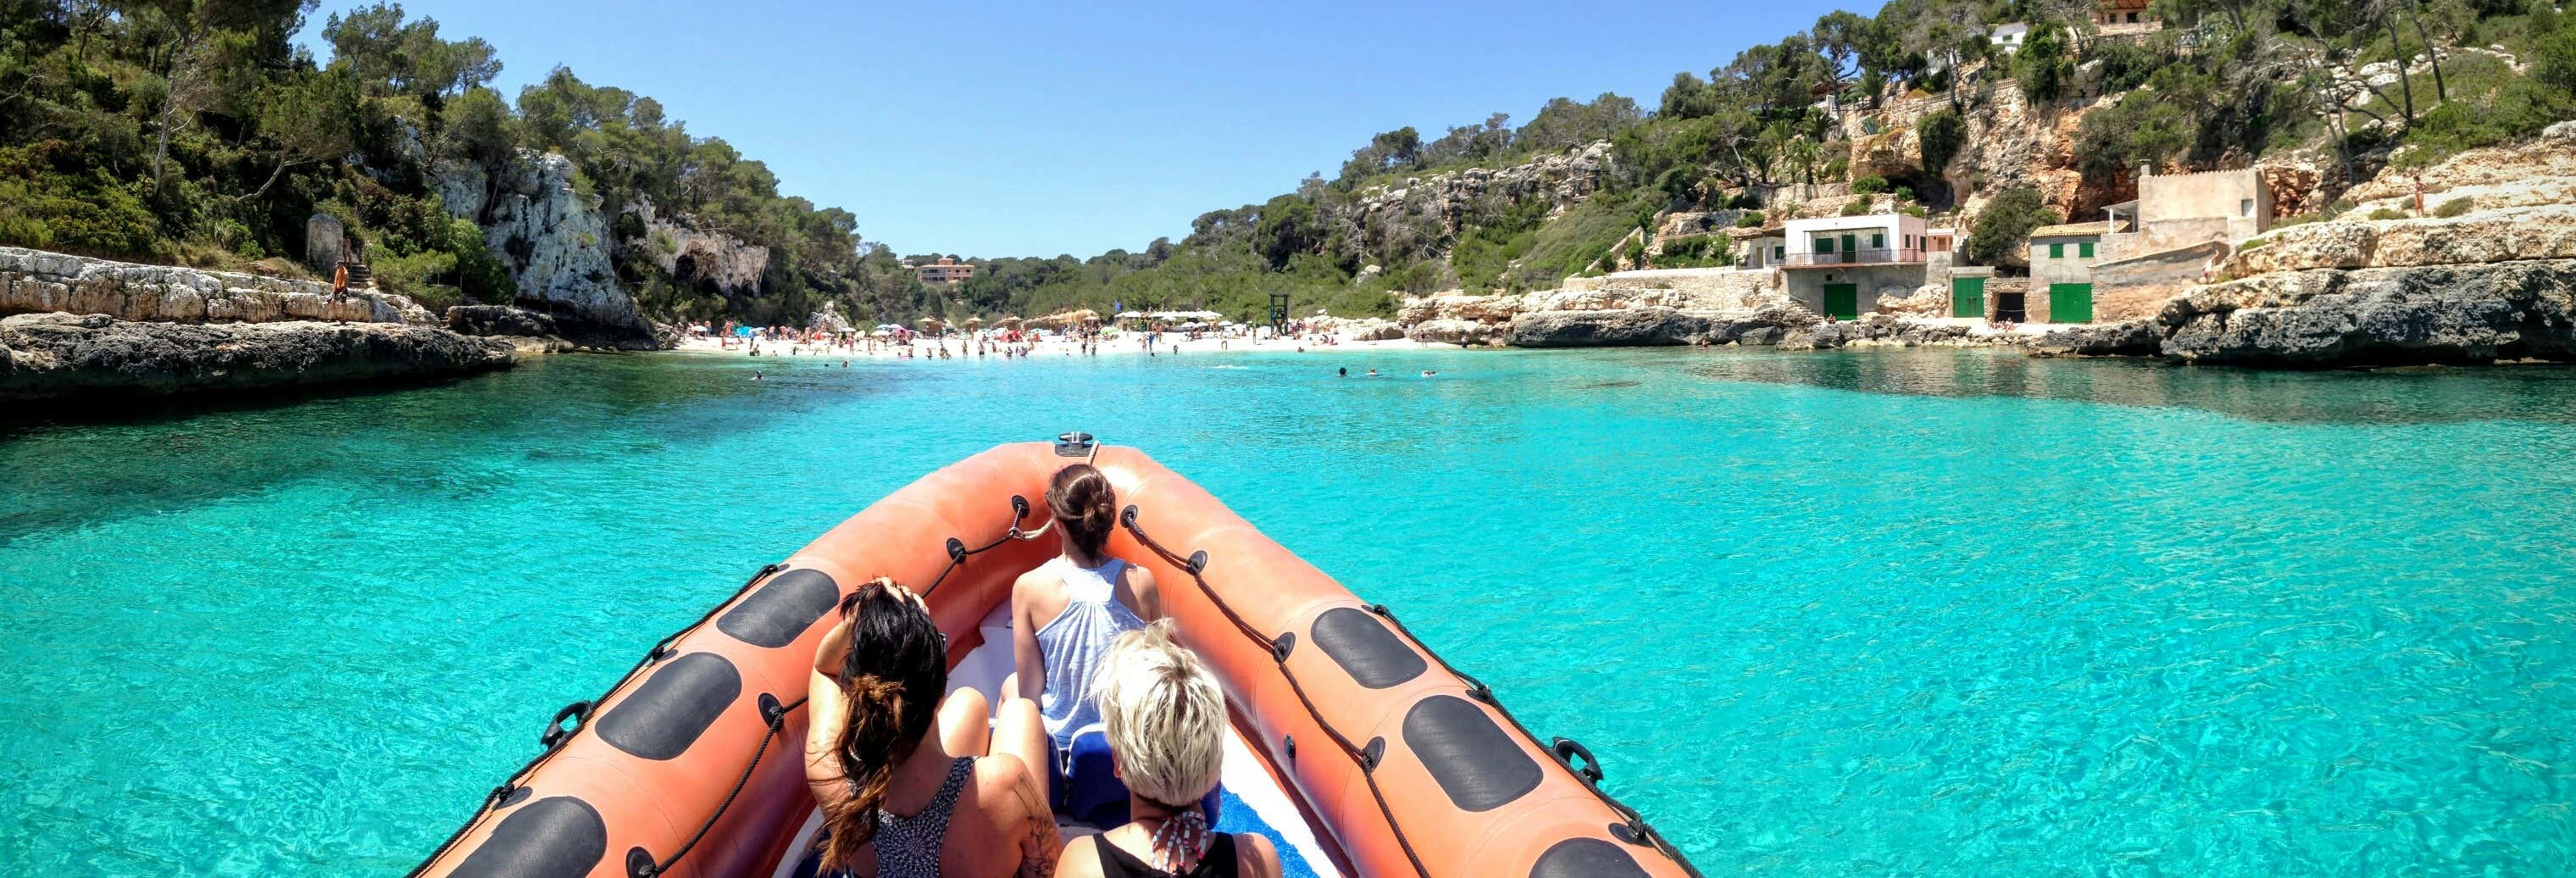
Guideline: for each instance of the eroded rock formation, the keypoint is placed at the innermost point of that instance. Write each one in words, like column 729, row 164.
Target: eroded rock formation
column 94, row 356
column 556, row 242
column 36, row 281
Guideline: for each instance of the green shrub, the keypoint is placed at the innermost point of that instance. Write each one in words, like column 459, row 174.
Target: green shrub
column 2250, row 244
column 1870, row 185
column 2002, row 232
column 1752, row 219
column 1743, row 201
column 2298, row 220
column 1858, row 207
column 2454, row 207
column 2386, row 214
column 1912, row 210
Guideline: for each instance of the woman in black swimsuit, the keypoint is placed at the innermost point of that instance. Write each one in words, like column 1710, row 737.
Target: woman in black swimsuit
column 1165, row 719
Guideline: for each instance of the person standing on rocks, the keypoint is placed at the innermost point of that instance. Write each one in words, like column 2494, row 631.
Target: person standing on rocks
column 340, row 280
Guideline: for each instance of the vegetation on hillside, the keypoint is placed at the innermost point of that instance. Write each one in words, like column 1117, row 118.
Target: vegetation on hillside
column 194, row 132
column 191, row 130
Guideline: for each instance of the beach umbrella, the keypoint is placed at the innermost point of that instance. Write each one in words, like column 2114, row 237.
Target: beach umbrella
column 1085, row 315
column 973, row 323
column 931, row 324
column 1009, row 322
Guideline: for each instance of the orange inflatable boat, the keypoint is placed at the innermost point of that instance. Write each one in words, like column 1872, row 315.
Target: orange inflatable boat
column 1355, row 748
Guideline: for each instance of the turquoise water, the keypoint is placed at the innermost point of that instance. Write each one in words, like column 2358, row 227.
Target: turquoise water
column 1941, row 612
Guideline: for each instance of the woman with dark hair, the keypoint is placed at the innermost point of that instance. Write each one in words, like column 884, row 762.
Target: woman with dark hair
column 1064, row 615
column 897, row 772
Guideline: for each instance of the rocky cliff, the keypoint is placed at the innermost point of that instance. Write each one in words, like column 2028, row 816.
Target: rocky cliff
column 92, row 358
column 36, row 281
column 1444, row 201
column 556, row 242
column 712, row 259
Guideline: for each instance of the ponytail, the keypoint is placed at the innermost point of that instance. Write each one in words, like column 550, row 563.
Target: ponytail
column 896, row 669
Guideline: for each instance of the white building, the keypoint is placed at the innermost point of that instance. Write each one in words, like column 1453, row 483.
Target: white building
column 2008, row 38
column 1841, row 266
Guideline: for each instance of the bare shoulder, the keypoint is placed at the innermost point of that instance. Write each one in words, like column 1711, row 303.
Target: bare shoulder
column 1254, row 857
column 1009, row 789
column 1149, row 595
column 1081, row 858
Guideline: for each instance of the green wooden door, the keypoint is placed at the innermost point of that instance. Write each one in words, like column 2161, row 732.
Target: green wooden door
column 1967, row 297
column 1842, row 301
column 2070, row 303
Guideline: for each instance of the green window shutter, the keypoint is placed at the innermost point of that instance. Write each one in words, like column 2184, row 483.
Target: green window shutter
column 1780, row 252
column 2057, row 251
column 2084, row 249
column 1824, row 245
column 1877, row 241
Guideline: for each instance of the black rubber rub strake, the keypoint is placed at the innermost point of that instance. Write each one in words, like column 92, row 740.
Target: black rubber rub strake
column 673, row 707
column 782, row 610
column 1586, row 858
column 553, row 837
column 1481, row 766
column 1365, row 649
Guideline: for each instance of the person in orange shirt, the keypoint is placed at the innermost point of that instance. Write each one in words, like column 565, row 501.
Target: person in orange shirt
column 340, row 281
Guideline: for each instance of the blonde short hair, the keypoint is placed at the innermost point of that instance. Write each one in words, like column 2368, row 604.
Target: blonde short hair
column 1163, row 714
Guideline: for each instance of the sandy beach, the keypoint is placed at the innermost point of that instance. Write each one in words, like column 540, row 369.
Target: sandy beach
column 1172, row 345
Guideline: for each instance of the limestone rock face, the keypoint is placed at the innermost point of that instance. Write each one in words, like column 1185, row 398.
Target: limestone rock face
column 94, row 356
column 2135, row 338
column 36, row 281
column 1359, row 329
column 500, row 320
column 323, row 235
column 1448, row 198
column 1457, row 332
column 713, row 258
column 2547, row 232
column 1626, row 327
column 2426, row 314
column 829, row 319
column 555, row 241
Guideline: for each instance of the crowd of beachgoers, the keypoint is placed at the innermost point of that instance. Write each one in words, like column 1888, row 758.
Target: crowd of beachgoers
column 949, row 344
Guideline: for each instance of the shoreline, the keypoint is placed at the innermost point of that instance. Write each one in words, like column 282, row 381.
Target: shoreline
column 1125, row 346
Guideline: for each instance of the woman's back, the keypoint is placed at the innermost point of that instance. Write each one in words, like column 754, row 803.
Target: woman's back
column 1070, row 644
column 981, row 821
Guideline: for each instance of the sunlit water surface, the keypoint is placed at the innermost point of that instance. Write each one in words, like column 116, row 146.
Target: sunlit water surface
column 1878, row 612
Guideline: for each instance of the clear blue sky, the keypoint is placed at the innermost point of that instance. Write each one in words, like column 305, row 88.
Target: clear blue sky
column 1046, row 128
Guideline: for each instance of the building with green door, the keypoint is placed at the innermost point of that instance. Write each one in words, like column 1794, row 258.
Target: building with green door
column 1841, row 267
column 2061, row 263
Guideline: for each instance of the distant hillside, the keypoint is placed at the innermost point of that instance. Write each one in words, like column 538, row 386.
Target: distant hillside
column 1915, row 109
column 194, row 132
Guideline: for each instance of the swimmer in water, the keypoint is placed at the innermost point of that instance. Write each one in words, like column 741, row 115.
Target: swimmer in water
column 755, row 374
column 1426, row 373
column 1372, row 373
column 1343, row 372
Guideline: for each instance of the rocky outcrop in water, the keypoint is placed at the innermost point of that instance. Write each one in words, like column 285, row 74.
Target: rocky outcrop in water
column 2378, row 316
column 2135, row 338
column 556, row 242
column 36, row 281
column 1645, row 326
column 93, row 357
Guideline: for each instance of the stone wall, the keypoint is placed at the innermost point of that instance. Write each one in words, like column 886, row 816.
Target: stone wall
column 1706, row 288
column 2131, row 289
column 36, row 281
column 2206, row 195
column 2485, row 236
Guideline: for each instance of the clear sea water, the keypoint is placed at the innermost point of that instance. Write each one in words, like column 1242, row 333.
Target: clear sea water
column 1868, row 612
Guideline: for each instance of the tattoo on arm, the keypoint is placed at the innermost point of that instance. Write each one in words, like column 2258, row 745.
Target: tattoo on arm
column 1041, row 846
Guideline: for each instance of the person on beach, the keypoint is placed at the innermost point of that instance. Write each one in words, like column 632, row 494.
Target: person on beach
column 340, row 280
column 1164, row 717
column 1064, row 614
column 909, row 784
